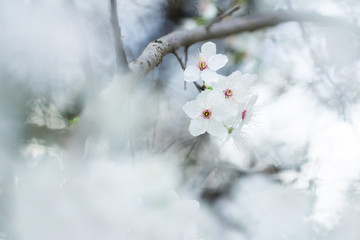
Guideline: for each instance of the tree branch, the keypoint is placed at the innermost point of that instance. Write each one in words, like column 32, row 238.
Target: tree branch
column 121, row 61
column 153, row 54
column 224, row 15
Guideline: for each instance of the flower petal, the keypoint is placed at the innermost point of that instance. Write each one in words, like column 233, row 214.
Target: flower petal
column 192, row 109
column 202, row 99
column 222, row 112
column 207, row 50
column 216, row 98
column 222, row 78
column 248, row 78
column 235, row 74
column 198, row 126
column 191, row 74
column 233, row 106
column 209, row 76
column 237, row 133
column 231, row 121
column 216, row 62
column 252, row 101
column 217, row 129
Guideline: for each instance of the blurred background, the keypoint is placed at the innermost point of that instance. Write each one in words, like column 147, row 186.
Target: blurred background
column 86, row 155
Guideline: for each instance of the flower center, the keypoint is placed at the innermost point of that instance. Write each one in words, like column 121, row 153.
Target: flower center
column 202, row 65
column 206, row 114
column 243, row 115
column 228, row 93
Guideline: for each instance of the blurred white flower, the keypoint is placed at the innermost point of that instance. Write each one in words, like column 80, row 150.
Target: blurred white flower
column 208, row 112
column 208, row 9
column 207, row 64
column 103, row 200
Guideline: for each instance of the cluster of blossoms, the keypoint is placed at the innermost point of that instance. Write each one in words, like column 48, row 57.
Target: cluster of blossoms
column 226, row 103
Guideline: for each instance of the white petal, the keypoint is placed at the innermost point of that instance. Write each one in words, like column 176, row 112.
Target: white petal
column 252, row 101
column 216, row 62
column 198, row 126
column 235, row 79
column 216, row 98
column 240, row 95
column 202, row 99
column 233, row 106
column 236, row 133
column 222, row 112
column 231, row 121
column 191, row 74
column 221, row 78
column 192, row 109
column 220, row 85
column 236, row 74
column 209, row 76
column 248, row 78
column 238, row 123
column 217, row 129
column 207, row 50
column 248, row 115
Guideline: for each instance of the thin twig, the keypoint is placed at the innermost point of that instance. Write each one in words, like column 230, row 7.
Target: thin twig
column 222, row 16
column 179, row 59
column 121, row 61
column 183, row 65
column 199, row 87
column 186, row 48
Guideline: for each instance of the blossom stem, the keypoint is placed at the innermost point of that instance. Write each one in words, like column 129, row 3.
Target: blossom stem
column 200, row 88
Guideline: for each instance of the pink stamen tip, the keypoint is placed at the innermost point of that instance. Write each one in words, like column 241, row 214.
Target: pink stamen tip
column 243, row 115
column 202, row 65
column 206, row 114
column 228, row 93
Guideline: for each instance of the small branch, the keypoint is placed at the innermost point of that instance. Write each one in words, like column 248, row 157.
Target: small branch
column 183, row 65
column 222, row 16
column 186, row 48
column 121, row 61
column 179, row 59
column 153, row 54
column 199, row 87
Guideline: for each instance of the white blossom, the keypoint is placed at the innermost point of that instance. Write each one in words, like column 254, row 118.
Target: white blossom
column 235, row 89
column 207, row 64
column 208, row 113
column 245, row 114
column 246, row 111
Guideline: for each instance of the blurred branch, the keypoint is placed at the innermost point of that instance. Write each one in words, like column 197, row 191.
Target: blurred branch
column 121, row 61
column 153, row 54
column 321, row 66
column 222, row 16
